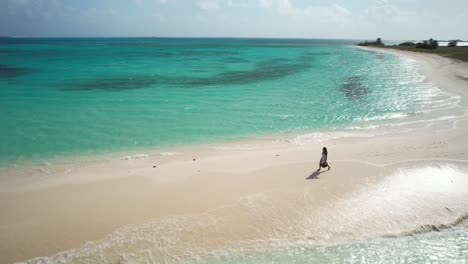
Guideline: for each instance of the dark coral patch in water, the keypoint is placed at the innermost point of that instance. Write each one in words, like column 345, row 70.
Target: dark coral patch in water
column 113, row 83
column 265, row 71
column 234, row 60
column 319, row 53
column 31, row 53
column 354, row 88
column 8, row 71
column 204, row 53
column 269, row 70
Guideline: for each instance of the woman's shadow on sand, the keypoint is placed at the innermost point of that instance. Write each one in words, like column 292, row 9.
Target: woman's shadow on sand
column 315, row 175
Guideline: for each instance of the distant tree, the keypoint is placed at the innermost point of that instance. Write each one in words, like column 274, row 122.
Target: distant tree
column 365, row 43
column 408, row 43
column 428, row 44
column 422, row 45
column 452, row 43
column 377, row 42
column 433, row 44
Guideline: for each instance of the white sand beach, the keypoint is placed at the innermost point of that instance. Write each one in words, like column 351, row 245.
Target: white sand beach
column 383, row 181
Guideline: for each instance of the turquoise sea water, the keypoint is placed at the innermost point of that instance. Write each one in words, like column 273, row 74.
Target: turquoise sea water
column 63, row 97
column 448, row 246
column 445, row 247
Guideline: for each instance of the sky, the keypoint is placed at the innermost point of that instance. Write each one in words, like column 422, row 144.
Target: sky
column 338, row 19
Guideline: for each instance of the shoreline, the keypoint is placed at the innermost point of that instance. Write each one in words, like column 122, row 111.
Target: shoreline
column 102, row 156
column 439, row 69
column 251, row 190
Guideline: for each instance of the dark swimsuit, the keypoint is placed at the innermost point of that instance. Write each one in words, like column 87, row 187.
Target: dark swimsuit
column 323, row 161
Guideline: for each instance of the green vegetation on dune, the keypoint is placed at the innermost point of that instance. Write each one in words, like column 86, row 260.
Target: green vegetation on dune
column 377, row 42
column 430, row 46
column 460, row 53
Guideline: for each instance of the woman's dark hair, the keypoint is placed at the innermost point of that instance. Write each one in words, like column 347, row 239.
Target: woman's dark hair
column 324, row 150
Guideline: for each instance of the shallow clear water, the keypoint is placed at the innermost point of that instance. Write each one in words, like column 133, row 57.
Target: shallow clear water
column 84, row 96
column 449, row 246
column 444, row 247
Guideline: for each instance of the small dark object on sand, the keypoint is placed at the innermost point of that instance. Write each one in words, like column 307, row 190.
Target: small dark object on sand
column 277, row 155
column 154, row 166
column 194, row 159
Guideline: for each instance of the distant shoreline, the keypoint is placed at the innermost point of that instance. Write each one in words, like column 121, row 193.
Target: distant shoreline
column 459, row 52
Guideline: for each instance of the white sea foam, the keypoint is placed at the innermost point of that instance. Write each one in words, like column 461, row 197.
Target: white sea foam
column 239, row 147
column 168, row 153
column 382, row 117
column 320, row 137
column 136, row 156
column 285, row 116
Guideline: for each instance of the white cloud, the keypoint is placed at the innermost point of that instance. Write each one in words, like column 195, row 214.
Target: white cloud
column 207, row 5
column 389, row 19
column 324, row 14
column 382, row 11
column 140, row 2
column 276, row 4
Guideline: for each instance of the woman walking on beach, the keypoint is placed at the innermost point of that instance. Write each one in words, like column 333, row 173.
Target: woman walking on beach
column 323, row 161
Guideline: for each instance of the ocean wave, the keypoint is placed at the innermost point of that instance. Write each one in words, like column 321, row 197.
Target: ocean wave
column 167, row 153
column 320, row 137
column 460, row 221
column 389, row 116
column 135, row 156
column 238, row 147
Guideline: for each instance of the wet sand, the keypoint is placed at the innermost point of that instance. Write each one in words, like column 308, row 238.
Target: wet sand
column 222, row 195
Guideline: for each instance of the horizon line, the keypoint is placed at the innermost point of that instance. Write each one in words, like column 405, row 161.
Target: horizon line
column 217, row 37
